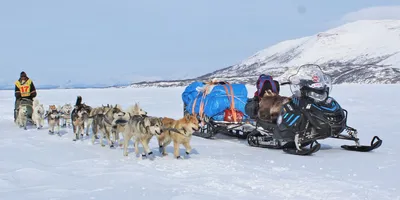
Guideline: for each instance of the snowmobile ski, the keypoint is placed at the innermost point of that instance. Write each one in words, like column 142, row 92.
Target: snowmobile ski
column 364, row 148
column 304, row 151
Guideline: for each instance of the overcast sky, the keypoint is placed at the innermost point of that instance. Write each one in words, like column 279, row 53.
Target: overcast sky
column 98, row 41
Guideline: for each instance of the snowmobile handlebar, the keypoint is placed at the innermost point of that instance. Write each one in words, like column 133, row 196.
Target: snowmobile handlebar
column 286, row 83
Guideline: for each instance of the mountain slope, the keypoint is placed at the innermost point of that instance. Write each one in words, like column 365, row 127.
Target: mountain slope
column 359, row 52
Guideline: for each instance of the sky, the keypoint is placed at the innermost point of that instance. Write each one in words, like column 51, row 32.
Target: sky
column 109, row 42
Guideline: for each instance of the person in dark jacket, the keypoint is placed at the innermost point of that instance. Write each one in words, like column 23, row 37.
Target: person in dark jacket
column 24, row 89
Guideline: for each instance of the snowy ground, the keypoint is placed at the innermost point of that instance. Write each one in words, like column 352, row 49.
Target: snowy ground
column 35, row 165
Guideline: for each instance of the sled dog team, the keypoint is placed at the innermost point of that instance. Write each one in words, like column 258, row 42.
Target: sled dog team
column 54, row 116
column 110, row 121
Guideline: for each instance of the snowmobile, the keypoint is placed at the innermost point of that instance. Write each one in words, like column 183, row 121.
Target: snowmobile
column 311, row 115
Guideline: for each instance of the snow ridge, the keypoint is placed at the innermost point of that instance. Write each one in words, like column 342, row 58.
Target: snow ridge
column 365, row 51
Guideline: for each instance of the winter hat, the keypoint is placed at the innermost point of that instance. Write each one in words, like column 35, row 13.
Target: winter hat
column 23, row 74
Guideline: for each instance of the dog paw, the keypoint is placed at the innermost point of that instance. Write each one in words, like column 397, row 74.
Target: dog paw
column 179, row 158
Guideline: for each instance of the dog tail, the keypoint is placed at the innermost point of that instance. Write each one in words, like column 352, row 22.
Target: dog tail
column 78, row 101
column 35, row 102
column 131, row 110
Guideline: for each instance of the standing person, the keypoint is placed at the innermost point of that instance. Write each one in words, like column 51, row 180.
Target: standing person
column 24, row 89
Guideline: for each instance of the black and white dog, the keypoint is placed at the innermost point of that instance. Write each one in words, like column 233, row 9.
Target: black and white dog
column 79, row 115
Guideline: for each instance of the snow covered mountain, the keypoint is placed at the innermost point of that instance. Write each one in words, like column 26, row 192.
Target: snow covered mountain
column 366, row 51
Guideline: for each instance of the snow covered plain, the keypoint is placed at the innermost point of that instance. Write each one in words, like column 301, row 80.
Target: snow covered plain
column 35, row 165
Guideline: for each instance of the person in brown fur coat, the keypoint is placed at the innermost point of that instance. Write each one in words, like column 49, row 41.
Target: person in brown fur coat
column 270, row 106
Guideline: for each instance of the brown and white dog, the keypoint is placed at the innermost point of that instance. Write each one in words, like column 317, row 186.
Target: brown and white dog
column 270, row 106
column 179, row 132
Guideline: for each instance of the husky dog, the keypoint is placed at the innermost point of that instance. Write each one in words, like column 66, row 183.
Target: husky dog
column 142, row 128
column 80, row 110
column 95, row 117
column 179, row 131
column 104, row 123
column 66, row 110
column 53, row 119
column 136, row 110
column 270, row 105
column 22, row 116
column 119, row 124
column 79, row 123
column 38, row 114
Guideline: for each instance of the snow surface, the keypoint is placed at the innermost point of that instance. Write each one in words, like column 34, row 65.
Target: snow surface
column 35, row 165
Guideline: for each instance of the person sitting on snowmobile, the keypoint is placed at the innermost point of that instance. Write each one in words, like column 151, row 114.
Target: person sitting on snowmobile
column 263, row 84
column 24, row 89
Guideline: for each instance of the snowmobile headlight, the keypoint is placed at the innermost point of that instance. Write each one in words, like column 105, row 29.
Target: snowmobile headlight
column 318, row 96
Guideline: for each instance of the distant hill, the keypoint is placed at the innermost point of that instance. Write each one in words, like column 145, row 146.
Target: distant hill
column 366, row 51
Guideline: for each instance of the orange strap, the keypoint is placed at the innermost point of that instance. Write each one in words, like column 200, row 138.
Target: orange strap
column 232, row 107
column 194, row 104
column 201, row 109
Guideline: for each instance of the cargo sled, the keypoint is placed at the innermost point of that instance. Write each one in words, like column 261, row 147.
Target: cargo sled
column 219, row 106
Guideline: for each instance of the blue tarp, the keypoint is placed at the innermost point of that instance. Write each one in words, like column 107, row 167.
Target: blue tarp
column 217, row 101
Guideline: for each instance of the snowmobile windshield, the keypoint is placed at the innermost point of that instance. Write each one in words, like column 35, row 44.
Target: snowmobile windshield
column 309, row 80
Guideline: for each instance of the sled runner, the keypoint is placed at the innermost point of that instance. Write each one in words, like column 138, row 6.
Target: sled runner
column 311, row 115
